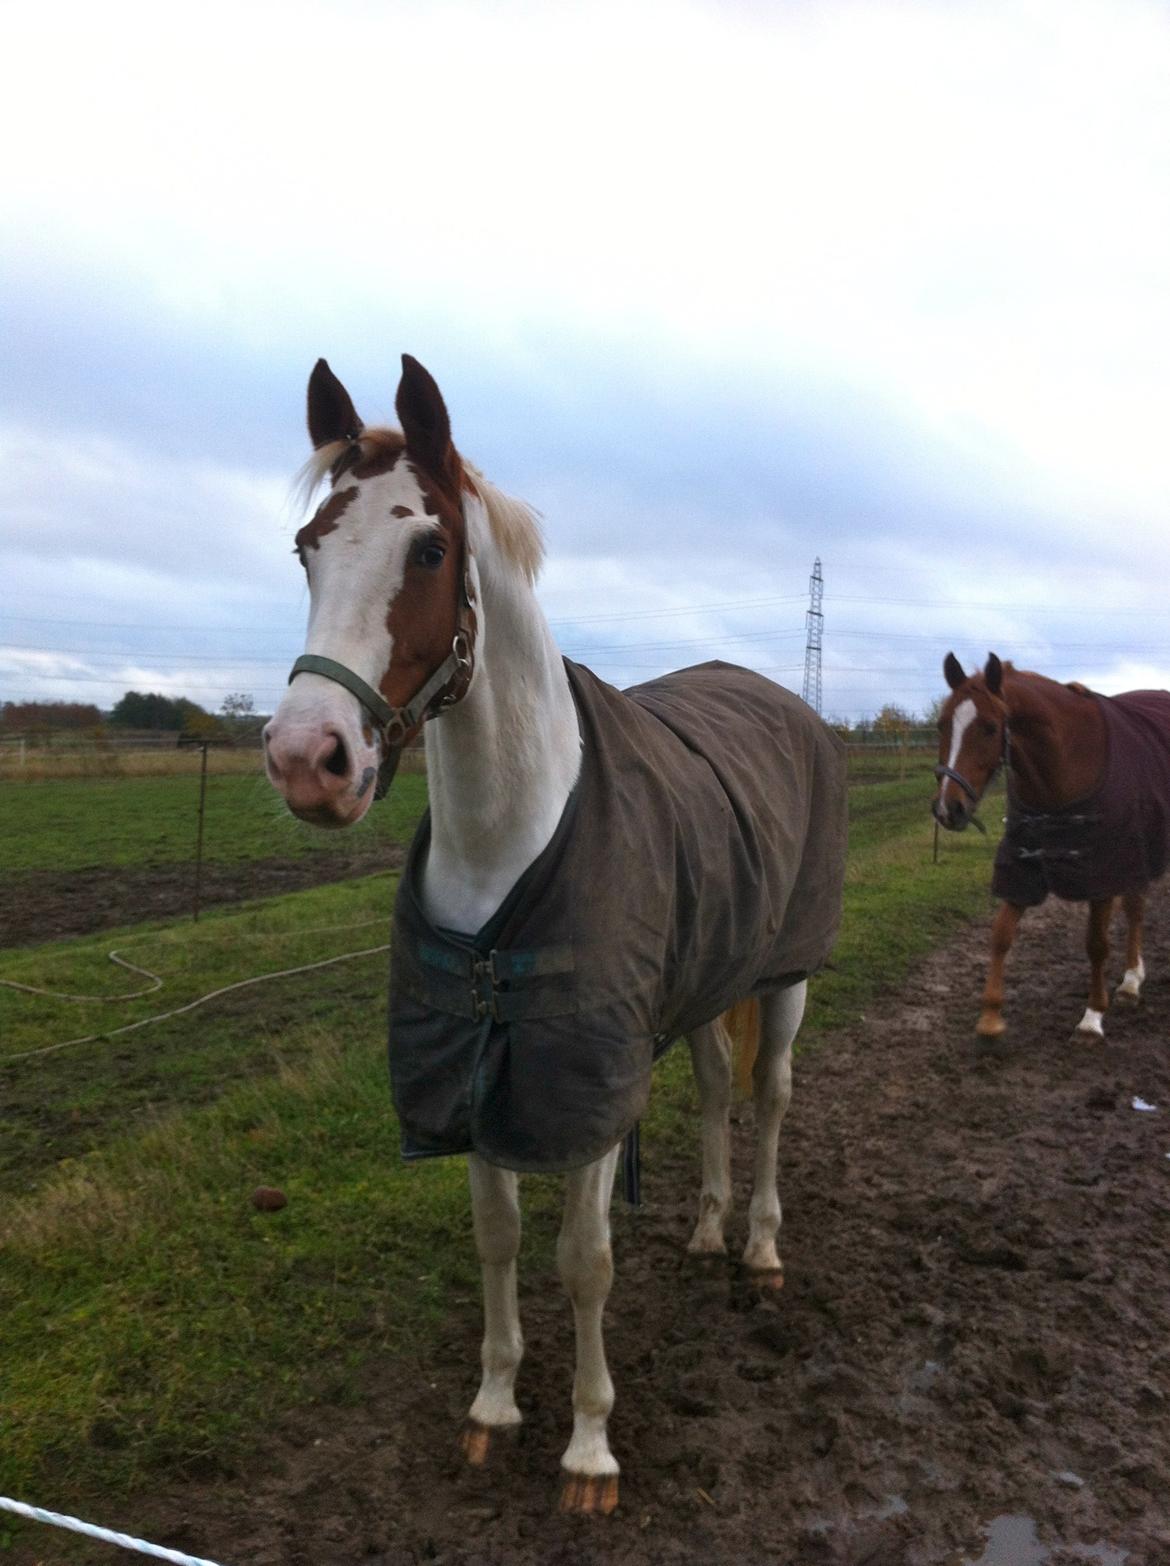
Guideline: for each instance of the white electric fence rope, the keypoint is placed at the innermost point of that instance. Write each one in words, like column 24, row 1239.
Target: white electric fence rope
column 116, row 957
column 59, row 1520
column 146, row 1022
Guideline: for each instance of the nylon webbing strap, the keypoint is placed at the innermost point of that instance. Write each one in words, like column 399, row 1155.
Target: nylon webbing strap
column 465, row 984
column 375, row 704
column 632, row 1166
column 505, row 966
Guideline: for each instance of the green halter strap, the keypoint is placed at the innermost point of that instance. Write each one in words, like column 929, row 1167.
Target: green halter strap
column 447, row 685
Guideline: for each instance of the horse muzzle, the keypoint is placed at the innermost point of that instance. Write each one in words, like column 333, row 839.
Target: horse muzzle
column 953, row 815
column 316, row 772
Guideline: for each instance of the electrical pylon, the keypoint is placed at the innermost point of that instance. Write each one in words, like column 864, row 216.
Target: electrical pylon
column 814, row 622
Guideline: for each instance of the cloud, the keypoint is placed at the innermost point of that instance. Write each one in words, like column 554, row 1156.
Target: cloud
column 718, row 288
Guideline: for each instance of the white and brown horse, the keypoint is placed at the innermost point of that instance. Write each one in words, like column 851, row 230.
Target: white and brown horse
column 421, row 576
column 1088, row 789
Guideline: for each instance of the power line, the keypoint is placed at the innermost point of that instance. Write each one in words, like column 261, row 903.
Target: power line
column 141, row 653
column 734, row 604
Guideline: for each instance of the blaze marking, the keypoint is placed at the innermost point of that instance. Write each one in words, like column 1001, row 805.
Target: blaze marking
column 960, row 723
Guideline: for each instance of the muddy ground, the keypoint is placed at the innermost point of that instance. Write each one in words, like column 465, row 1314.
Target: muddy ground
column 970, row 1361
column 41, row 905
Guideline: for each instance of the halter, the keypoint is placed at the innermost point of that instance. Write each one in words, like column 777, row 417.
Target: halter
column 942, row 771
column 447, row 685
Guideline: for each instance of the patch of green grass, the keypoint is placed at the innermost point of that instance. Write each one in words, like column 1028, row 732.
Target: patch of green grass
column 66, row 1103
column 150, row 1319
column 79, row 823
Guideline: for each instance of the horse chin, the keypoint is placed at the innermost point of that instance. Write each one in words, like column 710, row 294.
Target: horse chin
column 333, row 817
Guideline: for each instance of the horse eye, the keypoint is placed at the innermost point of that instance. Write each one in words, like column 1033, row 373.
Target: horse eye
column 431, row 556
column 988, row 726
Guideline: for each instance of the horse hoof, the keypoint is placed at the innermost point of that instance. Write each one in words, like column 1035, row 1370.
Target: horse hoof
column 768, row 1280
column 589, row 1495
column 479, row 1443
column 702, row 1245
column 993, row 1027
column 1127, row 997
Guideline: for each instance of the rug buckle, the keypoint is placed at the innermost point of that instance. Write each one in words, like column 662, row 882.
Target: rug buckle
column 485, row 977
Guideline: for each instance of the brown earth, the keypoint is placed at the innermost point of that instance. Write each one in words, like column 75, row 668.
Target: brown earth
column 970, row 1361
column 42, row 905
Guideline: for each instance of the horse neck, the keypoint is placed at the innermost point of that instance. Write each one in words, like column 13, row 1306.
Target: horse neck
column 1057, row 744
column 502, row 763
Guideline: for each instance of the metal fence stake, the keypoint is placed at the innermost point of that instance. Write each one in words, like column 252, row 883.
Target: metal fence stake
column 199, row 838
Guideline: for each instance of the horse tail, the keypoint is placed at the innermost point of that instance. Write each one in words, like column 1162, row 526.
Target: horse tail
column 742, row 1022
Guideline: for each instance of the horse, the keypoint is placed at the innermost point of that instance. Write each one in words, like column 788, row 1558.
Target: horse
column 1088, row 788
column 599, row 873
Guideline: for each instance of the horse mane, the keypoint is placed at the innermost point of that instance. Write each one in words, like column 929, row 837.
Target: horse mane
column 1076, row 687
column 514, row 525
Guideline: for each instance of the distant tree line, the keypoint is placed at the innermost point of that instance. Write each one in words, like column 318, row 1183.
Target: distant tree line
column 23, row 717
column 149, row 710
column 892, row 724
column 136, row 710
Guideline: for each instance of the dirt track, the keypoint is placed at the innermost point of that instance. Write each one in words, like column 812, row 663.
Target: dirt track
column 976, row 1327
column 44, row 905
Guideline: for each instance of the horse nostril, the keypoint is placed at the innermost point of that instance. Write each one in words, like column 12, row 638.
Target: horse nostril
column 337, row 760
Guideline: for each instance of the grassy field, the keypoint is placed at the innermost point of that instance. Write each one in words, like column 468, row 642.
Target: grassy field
column 74, row 823
column 150, row 1318
column 35, row 765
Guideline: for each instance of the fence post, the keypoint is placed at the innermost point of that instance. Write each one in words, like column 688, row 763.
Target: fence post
column 199, row 838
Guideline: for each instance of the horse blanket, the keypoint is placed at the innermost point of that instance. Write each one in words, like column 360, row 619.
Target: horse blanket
column 699, row 860
column 1115, row 841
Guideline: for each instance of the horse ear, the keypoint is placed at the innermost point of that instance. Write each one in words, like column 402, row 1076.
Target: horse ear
column 993, row 674
column 953, row 670
column 423, row 416
column 332, row 415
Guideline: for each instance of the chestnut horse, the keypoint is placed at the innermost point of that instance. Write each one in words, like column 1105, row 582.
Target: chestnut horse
column 422, row 607
column 1088, row 791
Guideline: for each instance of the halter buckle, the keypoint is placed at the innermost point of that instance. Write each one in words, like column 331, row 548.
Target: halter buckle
column 394, row 731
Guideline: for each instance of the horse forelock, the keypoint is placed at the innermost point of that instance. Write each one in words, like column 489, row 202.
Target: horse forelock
column 378, row 446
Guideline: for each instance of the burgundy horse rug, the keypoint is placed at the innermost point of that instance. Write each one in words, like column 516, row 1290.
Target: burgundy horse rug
column 700, row 860
column 1118, row 839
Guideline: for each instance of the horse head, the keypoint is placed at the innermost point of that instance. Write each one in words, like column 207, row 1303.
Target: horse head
column 972, row 730
column 392, row 584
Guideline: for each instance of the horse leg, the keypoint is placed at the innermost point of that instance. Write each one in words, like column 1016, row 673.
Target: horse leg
column 711, row 1061
column 585, row 1262
column 780, row 1017
column 1129, row 991
column 1003, row 933
column 495, row 1208
column 1097, row 948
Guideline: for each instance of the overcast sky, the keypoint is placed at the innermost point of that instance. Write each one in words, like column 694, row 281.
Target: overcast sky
column 719, row 288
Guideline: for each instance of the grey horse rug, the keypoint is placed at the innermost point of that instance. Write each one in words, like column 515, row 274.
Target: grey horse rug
column 699, row 860
column 1117, row 840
